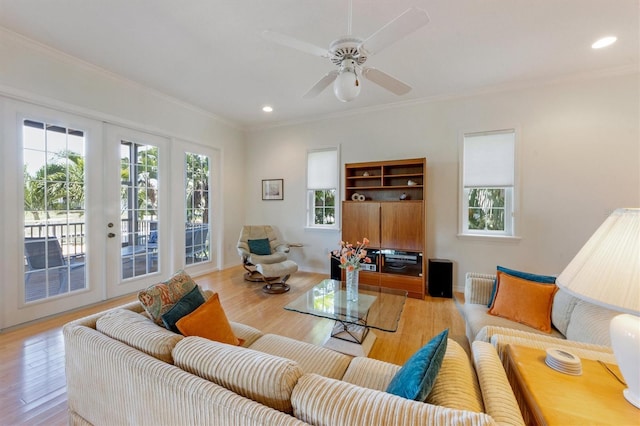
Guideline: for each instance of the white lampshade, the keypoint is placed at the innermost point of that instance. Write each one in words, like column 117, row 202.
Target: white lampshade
column 606, row 272
column 347, row 85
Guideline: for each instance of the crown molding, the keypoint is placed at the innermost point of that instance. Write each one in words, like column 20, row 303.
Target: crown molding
column 65, row 57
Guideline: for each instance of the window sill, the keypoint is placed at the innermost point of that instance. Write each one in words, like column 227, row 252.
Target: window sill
column 322, row 228
column 501, row 238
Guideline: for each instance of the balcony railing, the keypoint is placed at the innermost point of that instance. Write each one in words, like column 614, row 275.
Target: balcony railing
column 72, row 236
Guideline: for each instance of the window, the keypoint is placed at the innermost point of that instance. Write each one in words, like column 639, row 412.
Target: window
column 139, row 208
column 322, row 188
column 197, row 234
column 488, row 175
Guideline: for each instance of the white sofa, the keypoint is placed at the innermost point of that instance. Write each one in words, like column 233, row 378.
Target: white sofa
column 577, row 325
column 122, row 368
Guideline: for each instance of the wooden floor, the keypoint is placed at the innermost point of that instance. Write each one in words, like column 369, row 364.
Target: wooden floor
column 32, row 356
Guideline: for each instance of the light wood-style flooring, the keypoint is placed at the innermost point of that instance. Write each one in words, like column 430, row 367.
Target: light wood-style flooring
column 33, row 390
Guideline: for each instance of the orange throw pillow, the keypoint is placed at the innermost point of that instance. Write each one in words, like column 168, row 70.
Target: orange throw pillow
column 523, row 301
column 208, row 321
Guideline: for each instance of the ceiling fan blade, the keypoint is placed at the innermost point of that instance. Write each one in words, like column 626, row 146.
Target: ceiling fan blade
column 409, row 21
column 294, row 43
column 384, row 80
column 322, row 84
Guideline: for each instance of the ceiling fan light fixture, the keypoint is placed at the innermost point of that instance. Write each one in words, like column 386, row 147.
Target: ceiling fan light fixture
column 604, row 42
column 346, row 86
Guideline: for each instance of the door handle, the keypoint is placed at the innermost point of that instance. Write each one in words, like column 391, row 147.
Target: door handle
column 111, row 235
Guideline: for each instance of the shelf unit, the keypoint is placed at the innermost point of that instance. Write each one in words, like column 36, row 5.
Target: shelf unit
column 386, row 180
column 392, row 215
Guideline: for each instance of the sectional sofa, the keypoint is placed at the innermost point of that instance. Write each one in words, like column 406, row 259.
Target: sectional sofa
column 577, row 325
column 123, row 368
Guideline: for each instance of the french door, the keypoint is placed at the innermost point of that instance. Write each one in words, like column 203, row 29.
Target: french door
column 87, row 213
column 137, row 228
column 52, row 212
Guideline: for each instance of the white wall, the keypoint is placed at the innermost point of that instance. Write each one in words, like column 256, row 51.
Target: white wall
column 579, row 153
column 31, row 72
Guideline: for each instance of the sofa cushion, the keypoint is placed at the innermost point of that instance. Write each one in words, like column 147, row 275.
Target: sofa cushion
column 189, row 303
column 139, row 332
column 245, row 333
column 524, row 301
column 370, row 373
column 159, row 298
column 416, row 377
column 477, row 318
column 590, row 323
column 563, row 304
column 319, row 400
column 256, row 375
column 209, row 321
column 311, row 358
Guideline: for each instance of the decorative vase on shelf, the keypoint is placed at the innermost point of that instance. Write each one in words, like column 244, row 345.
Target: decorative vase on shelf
column 352, row 285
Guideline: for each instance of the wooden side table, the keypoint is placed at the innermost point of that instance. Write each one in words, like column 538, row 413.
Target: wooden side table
column 549, row 397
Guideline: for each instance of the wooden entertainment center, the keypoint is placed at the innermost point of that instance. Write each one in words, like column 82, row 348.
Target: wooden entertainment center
column 384, row 201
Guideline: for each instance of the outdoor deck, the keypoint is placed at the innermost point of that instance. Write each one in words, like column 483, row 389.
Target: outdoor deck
column 36, row 285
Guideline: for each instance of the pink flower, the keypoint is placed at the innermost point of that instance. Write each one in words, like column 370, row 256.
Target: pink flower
column 351, row 256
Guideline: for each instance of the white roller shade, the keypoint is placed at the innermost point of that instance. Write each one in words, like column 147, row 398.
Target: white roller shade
column 322, row 169
column 489, row 159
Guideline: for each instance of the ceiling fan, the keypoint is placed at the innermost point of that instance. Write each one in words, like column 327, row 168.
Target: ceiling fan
column 349, row 53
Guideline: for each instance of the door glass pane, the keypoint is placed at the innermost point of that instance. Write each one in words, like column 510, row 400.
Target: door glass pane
column 139, row 209
column 197, row 230
column 54, row 210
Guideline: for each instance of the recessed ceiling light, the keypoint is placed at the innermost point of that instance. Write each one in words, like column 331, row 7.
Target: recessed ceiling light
column 267, row 108
column 604, row 42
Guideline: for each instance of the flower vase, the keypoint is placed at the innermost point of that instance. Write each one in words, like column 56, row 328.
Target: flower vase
column 352, row 285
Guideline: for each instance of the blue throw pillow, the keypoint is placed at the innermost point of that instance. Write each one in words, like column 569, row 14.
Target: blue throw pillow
column 187, row 304
column 543, row 279
column 417, row 376
column 260, row 247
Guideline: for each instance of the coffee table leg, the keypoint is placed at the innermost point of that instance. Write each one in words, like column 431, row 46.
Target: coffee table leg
column 349, row 332
column 344, row 341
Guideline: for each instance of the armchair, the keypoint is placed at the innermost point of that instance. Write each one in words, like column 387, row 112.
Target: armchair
column 264, row 257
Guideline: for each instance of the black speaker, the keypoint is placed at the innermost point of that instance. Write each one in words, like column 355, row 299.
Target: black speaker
column 336, row 272
column 440, row 278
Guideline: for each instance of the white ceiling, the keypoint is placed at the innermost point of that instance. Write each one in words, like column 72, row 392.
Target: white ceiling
column 210, row 53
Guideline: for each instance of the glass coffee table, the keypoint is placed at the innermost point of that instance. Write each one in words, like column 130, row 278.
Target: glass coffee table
column 373, row 308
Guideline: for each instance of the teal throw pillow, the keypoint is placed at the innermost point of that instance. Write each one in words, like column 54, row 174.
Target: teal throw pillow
column 417, row 376
column 543, row 279
column 187, row 304
column 260, row 247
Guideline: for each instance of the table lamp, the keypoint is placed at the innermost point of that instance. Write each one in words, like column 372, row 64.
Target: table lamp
column 606, row 272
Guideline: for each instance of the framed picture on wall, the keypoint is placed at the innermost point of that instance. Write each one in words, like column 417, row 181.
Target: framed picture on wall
column 273, row 189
